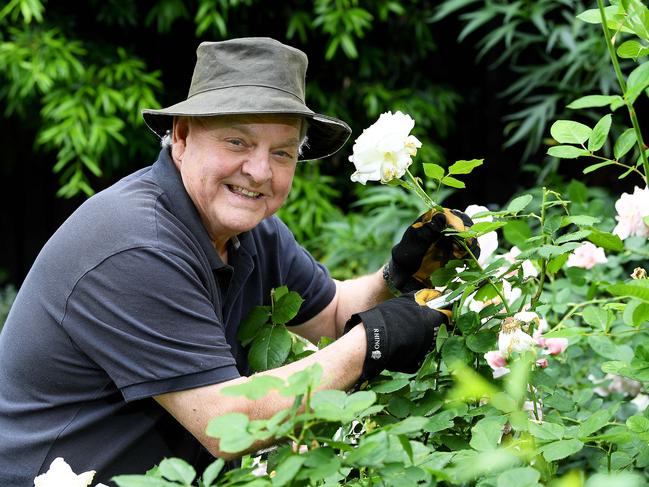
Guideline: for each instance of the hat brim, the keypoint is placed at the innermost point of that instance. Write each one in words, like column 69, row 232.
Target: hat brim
column 325, row 135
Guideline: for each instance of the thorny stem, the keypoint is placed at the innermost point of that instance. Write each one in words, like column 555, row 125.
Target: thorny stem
column 575, row 307
column 622, row 83
column 421, row 193
column 498, row 291
column 544, row 262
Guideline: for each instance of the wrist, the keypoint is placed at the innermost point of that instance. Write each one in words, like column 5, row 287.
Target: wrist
column 388, row 278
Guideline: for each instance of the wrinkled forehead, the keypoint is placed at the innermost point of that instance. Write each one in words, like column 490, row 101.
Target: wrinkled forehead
column 232, row 120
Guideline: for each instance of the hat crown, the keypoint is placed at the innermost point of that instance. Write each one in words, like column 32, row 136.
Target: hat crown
column 251, row 61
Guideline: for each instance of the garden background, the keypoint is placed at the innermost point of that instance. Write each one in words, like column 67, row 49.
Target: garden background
column 483, row 80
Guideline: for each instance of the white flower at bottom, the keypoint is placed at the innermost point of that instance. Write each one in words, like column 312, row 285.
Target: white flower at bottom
column 60, row 474
column 641, row 401
column 385, row 149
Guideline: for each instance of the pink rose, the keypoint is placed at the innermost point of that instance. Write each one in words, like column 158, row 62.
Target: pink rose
column 555, row 346
column 587, row 256
column 631, row 209
column 542, row 363
column 497, row 362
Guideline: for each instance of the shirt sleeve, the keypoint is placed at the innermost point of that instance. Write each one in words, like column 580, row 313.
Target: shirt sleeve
column 146, row 317
column 304, row 275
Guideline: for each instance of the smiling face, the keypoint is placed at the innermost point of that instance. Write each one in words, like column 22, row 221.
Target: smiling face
column 237, row 170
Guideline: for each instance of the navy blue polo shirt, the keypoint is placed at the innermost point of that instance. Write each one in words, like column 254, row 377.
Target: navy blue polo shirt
column 128, row 300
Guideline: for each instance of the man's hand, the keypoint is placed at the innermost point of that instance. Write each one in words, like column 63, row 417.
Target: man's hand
column 424, row 248
column 400, row 332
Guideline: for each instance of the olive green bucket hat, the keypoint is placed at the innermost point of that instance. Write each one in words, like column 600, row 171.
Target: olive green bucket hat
column 252, row 76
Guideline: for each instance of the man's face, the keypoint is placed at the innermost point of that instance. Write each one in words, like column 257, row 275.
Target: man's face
column 237, row 170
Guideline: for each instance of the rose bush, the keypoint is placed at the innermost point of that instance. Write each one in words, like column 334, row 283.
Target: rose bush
column 540, row 380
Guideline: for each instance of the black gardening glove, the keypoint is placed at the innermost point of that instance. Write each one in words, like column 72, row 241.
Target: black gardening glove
column 400, row 332
column 424, row 248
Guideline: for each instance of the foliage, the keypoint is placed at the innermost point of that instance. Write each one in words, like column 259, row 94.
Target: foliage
column 573, row 418
column 554, row 55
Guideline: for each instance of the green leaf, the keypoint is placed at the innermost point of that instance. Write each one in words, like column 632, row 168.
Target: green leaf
column 177, row 469
column 581, row 220
column 632, row 49
column 301, row 382
column 593, row 101
column 567, row 152
column 556, row 263
column 481, row 342
column 606, row 240
column 464, row 167
column 286, row 308
column 452, row 182
column 600, row 133
column 486, row 434
column 433, row 171
column 637, row 82
column 636, row 313
column 319, row 463
column 604, row 346
column 597, row 317
column 520, row 477
column 569, row 132
column 412, row 424
column 595, row 167
column 547, row 431
column 141, row 481
column 277, row 293
column 255, row 387
column 561, row 449
column 468, row 322
column 593, row 423
column 337, row 406
column 270, row 348
column 454, row 350
column 517, row 232
column 251, row 325
column 440, row 422
column 232, row 431
column 287, row 470
column 212, row 472
column 574, row 236
column 637, row 289
column 624, row 143
column 638, row 424
column 519, row 203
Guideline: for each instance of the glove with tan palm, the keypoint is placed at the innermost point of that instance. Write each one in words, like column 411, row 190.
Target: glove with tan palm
column 425, row 247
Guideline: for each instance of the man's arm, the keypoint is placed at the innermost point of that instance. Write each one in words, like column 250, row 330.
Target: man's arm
column 352, row 296
column 342, row 363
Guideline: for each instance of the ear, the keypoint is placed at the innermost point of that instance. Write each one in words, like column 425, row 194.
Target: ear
column 179, row 139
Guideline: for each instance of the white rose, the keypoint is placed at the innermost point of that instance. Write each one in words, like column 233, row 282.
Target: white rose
column 528, row 268
column 631, row 209
column 512, row 339
column 60, row 474
column 587, row 256
column 385, row 149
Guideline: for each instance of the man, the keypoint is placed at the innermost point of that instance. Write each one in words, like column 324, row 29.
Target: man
column 124, row 331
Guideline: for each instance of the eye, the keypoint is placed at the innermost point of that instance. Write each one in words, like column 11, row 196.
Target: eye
column 236, row 142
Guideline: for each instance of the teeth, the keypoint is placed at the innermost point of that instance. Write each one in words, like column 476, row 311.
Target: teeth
column 245, row 192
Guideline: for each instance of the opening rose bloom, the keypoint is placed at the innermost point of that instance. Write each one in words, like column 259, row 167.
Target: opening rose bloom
column 385, row 149
column 60, row 474
column 587, row 256
column 631, row 210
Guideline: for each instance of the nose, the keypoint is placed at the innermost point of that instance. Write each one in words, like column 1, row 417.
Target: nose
column 257, row 167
